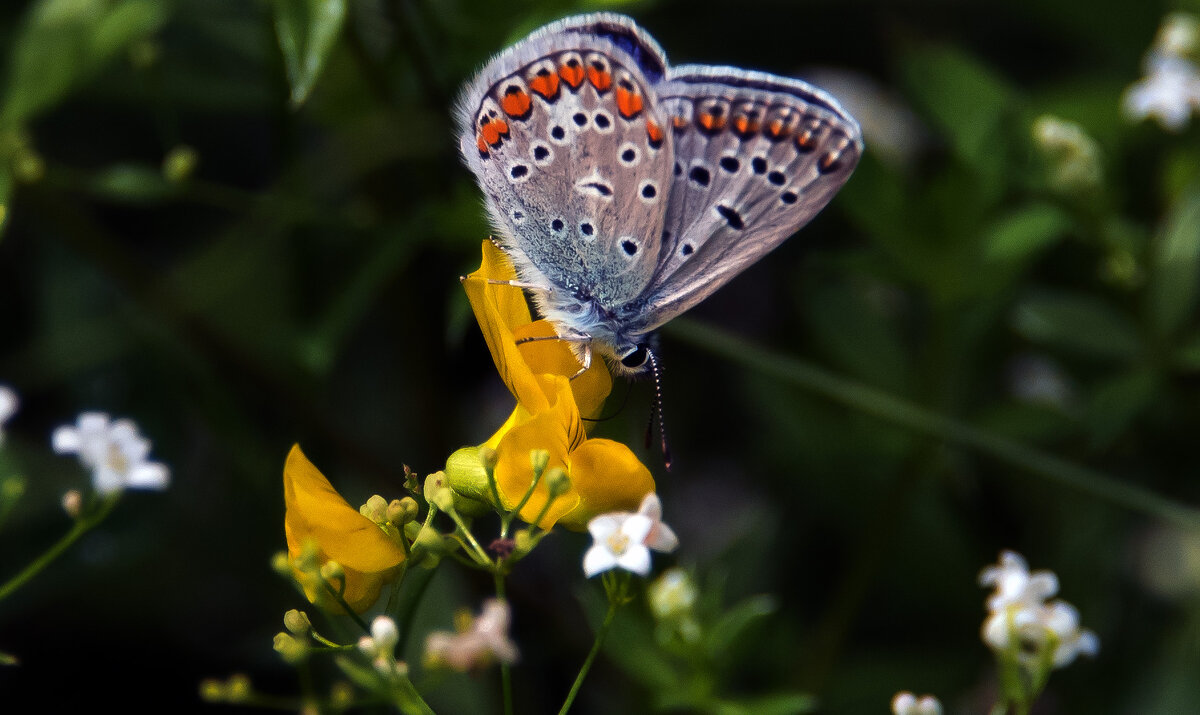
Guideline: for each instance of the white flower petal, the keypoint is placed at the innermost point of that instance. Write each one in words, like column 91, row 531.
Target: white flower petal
column 636, row 559
column 151, row 475
column 662, row 539
column 637, row 527
column 65, row 440
column 603, row 526
column 598, row 559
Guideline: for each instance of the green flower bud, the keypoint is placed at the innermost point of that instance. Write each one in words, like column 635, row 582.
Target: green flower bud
column 438, row 492
column 293, row 650
column 297, row 622
column 238, row 688
column 179, row 163
column 538, row 459
column 557, row 482
column 375, row 509
column 402, row 511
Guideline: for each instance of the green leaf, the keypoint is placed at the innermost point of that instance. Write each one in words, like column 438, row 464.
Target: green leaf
column 736, row 620
column 1117, row 402
column 307, row 30
column 65, row 42
column 1175, row 265
column 1025, row 231
column 965, row 99
column 857, row 329
column 1081, row 324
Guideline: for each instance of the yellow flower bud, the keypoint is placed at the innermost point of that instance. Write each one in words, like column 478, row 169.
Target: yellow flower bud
column 438, row 492
column 238, row 688
column 557, row 482
column 293, row 650
column 402, row 511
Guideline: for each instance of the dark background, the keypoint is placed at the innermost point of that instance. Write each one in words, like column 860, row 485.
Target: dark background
column 302, row 285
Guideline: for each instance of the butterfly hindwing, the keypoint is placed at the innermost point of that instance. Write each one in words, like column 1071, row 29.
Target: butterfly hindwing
column 565, row 135
column 756, row 157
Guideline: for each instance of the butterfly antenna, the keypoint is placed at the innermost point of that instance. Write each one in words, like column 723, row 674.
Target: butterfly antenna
column 658, row 410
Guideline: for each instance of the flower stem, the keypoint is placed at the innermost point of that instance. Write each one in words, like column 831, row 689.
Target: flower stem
column 878, row 403
column 83, row 525
column 480, row 554
column 601, row 634
column 505, row 673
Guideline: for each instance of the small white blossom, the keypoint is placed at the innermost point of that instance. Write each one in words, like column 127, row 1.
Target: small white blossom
column 485, row 641
column 619, row 543
column 8, row 407
column 1014, row 584
column 114, row 451
column 905, row 703
column 379, row 646
column 624, row 540
column 1170, row 92
column 1021, row 617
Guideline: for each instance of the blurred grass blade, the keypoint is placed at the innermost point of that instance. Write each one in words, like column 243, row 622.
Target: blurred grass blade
column 884, row 406
column 1082, row 324
column 307, row 30
column 64, row 42
column 1176, row 265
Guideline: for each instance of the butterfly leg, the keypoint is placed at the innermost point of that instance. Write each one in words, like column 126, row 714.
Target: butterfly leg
column 518, row 284
column 585, row 360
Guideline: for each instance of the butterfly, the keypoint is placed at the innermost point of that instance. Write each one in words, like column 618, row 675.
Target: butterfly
column 626, row 190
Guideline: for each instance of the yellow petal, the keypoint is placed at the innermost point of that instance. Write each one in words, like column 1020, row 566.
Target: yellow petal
column 504, row 317
column 317, row 514
column 607, row 476
column 553, row 430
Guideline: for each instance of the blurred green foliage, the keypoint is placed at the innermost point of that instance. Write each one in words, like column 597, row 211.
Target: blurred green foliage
column 241, row 224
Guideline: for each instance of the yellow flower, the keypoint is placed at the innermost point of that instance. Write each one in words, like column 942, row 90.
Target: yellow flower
column 605, row 475
column 318, row 517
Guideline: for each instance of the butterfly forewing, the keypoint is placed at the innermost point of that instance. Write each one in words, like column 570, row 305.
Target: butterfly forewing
column 756, row 157
column 570, row 147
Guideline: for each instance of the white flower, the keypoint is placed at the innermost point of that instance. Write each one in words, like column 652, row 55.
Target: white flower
column 905, row 703
column 8, row 407
column 620, row 542
column 1020, row 616
column 114, row 451
column 1014, row 584
column 1169, row 92
column 379, row 646
column 624, row 540
column 1061, row 620
column 484, row 641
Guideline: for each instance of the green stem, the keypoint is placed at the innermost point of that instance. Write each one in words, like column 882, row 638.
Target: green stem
column 480, row 554
column 505, row 673
column 83, row 525
column 601, row 634
column 885, row 406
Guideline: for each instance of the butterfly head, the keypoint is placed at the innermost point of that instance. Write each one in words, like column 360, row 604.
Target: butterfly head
column 635, row 359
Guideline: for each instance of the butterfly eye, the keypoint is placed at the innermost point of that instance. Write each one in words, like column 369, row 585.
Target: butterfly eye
column 637, row 358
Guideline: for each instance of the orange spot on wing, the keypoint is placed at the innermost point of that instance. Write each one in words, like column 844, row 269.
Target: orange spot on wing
column 572, row 74
column 745, row 125
column 599, row 78
column 482, row 144
column 654, row 133
column 775, row 128
column 493, row 131
column 545, row 85
column 710, row 121
column 679, row 122
column 516, row 102
column 629, row 104
column 804, row 140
